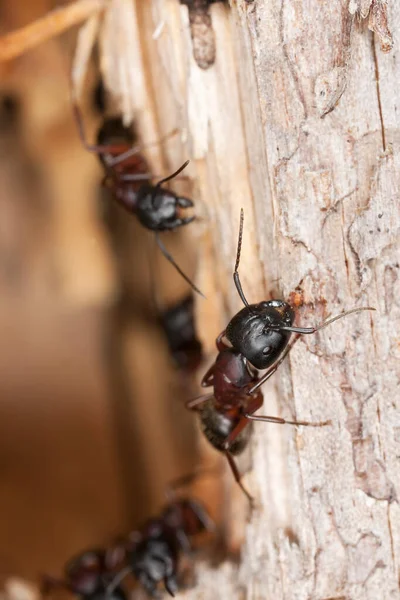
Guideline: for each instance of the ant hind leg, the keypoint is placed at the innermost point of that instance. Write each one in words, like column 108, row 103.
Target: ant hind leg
column 238, row 477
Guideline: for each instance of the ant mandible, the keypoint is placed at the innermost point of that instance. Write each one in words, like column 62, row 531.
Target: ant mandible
column 259, row 337
column 153, row 551
column 88, row 576
column 127, row 175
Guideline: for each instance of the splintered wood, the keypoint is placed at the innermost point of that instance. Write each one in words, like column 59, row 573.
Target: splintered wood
column 296, row 120
column 291, row 123
column 54, row 23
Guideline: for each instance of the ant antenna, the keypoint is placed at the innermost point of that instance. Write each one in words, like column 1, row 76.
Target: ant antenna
column 97, row 149
column 305, row 330
column 117, row 580
column 185, row 164
column 138, row 147
column 170, row 258
column 105, row 148
column 236, row 277
column 168, row 588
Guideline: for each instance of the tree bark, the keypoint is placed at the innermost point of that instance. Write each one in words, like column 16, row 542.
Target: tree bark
column 296, row 122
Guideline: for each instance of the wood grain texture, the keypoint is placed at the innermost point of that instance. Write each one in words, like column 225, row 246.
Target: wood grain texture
column 297, row 121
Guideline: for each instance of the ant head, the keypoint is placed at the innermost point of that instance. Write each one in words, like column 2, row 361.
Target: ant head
column 159, row 209
column 153, row 561
column 83, row 572
column 255, row 331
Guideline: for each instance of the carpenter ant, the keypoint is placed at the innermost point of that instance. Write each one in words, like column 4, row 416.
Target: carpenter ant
column 179, row 328
column 259, row 337
column 261, row 332
column 153, row 551
column 127, row 175
column 88, row 576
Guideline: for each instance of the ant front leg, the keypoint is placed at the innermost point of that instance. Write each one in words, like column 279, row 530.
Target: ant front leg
column 208, row 379
column 194, row 402
column 255, row 404
column 219, row 343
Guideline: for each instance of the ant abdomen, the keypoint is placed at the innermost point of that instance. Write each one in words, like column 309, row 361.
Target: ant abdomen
column 217, row 426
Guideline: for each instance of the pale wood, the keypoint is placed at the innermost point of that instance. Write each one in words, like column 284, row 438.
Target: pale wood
column 292, row 124
column 52, row 24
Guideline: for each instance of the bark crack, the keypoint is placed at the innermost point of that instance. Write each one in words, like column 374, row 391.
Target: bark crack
column 378, row 91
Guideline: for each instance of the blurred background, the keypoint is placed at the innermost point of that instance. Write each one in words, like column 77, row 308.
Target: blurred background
column 92, row 417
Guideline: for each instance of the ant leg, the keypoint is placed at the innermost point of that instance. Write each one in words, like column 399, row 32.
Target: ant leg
column 138, row 177
column 279, row 421
column 219, row 343
column 305, row 330
column 194, row 402
column 174, row 264
column 274, row 367
column 208, row 379
column 95, row 148
column 178, row 222
column 236, row 277
column 171, row 585
column 243, row 422
column 140, row 147
column 117, row 580
column 112, row 148
column 238, row 477
column 255, row 404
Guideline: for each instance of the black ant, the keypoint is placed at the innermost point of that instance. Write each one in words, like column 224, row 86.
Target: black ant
column 178, row 325
column 153, row 552
column 127, row 175
column 88, row 576
column 259, row 337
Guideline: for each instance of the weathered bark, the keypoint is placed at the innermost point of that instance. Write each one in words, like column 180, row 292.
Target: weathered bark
column 297, row 122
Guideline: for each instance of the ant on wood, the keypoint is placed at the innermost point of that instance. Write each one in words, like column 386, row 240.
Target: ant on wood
column 259, row 338
column 178, row 324
column 153, row 551
column 127, row 176
column 88, row 576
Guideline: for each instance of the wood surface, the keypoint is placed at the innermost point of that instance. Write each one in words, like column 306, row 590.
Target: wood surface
column 298, row 123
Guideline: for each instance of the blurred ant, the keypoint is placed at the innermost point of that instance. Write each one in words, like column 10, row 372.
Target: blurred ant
column 259, row 339
column 127, row 175
column 88, row 576
column 178, row 325
column 153, row 551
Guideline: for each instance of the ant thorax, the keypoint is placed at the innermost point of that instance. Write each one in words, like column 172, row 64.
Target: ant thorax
column 232, row 377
